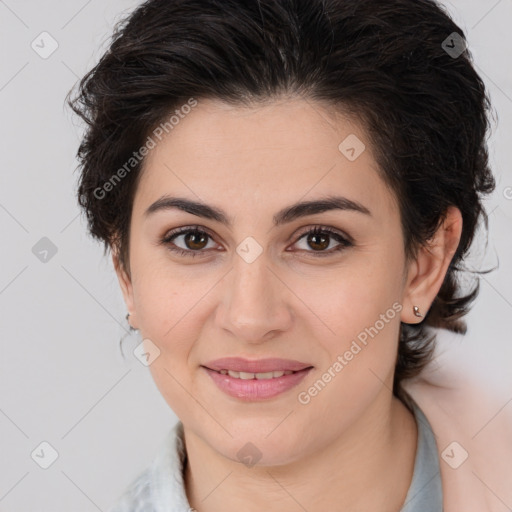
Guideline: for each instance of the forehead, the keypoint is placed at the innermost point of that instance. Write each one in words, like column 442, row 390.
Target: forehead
column 263, row 156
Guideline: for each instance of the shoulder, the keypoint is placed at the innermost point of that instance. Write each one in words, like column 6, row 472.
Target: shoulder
column 470, row 412
column 457, row 384
column 160, row 486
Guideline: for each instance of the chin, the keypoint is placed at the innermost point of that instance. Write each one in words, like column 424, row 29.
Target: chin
column 257, row 448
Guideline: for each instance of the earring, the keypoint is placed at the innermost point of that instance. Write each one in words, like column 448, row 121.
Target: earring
column 417, row 313
column 129, row 325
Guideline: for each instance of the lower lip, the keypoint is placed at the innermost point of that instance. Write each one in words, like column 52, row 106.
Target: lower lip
column 256, row 389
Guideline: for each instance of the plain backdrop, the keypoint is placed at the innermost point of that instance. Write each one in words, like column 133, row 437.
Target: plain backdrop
column 63, row 379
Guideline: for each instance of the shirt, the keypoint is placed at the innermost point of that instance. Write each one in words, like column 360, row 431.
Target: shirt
column 160, row 487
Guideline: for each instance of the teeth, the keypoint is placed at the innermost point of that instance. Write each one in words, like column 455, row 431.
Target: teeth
column 266, row 375
column 259, row 376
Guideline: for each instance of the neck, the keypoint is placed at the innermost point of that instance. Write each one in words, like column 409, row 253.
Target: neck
column 368, row 467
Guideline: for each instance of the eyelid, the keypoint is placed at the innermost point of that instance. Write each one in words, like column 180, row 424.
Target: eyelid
column 327, row 229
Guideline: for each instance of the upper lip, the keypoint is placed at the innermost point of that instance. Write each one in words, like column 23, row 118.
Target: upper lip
column 239, row 364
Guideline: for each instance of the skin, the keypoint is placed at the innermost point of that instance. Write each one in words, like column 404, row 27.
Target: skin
column 352, row 444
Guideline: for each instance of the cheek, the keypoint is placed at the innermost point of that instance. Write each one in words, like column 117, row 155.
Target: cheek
column 361, row 353
column 170, row 312
column 359, row 328
column 166, row 296
column 347, row 300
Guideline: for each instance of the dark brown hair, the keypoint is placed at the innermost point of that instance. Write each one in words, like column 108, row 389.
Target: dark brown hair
column 388, row 62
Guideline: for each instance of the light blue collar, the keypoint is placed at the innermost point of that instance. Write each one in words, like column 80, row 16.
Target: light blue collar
column 425, row 492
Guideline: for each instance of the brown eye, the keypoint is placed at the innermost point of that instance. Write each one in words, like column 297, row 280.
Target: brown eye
column 193, row 242
column 319, row 239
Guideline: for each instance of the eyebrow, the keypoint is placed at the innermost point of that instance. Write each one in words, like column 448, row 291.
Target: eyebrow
column 288, row 214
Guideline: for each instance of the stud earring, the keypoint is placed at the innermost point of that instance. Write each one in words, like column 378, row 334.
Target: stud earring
column 417, row 313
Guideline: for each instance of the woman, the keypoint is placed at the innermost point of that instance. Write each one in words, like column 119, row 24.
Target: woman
column 288, row 188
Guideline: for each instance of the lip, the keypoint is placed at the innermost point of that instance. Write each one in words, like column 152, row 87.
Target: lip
column 239, row 364
column 256, row 389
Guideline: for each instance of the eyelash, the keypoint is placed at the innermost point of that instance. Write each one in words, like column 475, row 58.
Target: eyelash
column 316, row 230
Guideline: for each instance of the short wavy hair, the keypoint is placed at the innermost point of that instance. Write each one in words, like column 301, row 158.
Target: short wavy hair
column 386, row 62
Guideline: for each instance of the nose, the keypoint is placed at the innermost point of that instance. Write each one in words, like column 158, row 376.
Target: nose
column 255, row 302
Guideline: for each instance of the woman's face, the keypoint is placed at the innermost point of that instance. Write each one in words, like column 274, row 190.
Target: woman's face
column 253, row 284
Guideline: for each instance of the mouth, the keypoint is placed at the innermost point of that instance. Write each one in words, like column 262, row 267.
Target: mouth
column 260, row 376
column 253, row 380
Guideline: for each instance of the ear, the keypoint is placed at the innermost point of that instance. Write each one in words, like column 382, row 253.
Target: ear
column 125, row 283
column 427, row 271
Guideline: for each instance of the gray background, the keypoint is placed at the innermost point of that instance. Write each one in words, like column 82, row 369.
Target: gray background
column 62, row 377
